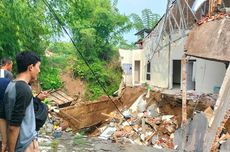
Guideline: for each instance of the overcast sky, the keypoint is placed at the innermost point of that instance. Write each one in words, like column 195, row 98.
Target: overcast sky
column 136, row 6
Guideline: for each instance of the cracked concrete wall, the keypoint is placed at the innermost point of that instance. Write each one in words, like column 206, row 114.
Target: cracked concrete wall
column 208, row 75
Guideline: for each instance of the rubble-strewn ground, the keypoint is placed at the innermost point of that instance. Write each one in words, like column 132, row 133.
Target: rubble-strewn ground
column 70, row 143
column 152, row 121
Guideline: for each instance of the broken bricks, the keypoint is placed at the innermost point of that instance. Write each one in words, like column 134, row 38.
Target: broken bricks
column 145, row 122
column 141, row 127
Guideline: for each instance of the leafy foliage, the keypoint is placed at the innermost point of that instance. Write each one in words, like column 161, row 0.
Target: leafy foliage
column 24, row 26
column 138, row 23
column 59, row 48
column 49, row 77
column 60, row 54
column 125, row 45
column 109, row 75
column 79, row 139
column 54, row 145
column 148, row 20
column 95, row 25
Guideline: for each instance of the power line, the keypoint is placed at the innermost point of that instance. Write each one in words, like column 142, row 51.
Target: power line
column 61, row 24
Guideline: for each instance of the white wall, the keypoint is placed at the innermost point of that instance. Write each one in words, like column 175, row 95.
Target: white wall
column 177, row 51
column 208, row 75
column 159, row 69
column 126, row 58
column 129, row 57
column 161, row 65
column 138, row 55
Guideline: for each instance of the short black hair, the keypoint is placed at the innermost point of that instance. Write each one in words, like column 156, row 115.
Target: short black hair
column 25, row 59
column 5, row 61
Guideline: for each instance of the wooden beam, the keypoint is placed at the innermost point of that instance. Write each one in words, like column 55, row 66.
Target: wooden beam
column 184, row 100
column 184, row 89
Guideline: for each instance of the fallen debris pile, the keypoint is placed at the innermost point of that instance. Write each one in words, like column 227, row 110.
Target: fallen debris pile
column 151, row 119
column 140, row 128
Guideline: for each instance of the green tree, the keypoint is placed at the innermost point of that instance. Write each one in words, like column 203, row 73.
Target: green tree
column 25, row 25
column 96, row 27
column 147, row 20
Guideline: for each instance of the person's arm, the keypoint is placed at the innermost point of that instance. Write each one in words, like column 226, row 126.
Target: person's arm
column 13, row 136
column 42, row 95
column 3, row 133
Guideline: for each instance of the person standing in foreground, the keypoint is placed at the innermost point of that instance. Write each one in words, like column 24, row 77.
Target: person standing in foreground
column 5, row 77
column 19, row 109
column 3, row 129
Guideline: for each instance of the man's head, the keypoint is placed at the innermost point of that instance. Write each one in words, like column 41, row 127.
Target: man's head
column 28, row 62
column 6, row 64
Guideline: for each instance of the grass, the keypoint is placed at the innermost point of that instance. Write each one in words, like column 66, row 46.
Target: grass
column 79, row 139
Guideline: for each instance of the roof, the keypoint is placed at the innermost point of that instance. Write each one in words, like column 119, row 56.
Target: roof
column 142, row 31
column 139, row 41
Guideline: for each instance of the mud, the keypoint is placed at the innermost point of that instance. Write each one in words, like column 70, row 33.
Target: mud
column 73, row 87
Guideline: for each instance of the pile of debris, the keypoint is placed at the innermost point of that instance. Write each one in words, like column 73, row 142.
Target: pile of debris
column 150, row 119
column 73, row 114
column 140, row 127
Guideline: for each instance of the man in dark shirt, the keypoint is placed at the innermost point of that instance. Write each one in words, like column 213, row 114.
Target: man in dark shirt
column 18, row 103
column 3, row 84
column 5, row 77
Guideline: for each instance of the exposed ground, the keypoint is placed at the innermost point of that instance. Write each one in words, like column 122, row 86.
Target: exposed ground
column 69, row 143
column 73, row 87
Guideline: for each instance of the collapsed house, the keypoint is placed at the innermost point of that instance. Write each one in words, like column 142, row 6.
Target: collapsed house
column 154, row 118
column 159, row 62
column 179, row 55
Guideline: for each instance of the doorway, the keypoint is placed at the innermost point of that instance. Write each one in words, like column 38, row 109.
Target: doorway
column 190, row 75
column 190, row 67
column 176, row 73
column 137, row 72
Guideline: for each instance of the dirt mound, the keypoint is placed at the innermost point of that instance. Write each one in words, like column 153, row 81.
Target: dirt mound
column 129, row 95
column 73, row 87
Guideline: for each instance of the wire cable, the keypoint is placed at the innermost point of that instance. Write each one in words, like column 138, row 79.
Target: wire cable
column 62, row 25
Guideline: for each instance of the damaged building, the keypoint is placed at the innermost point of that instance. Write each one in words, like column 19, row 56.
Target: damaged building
column 159, row 60
column 187, row 52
